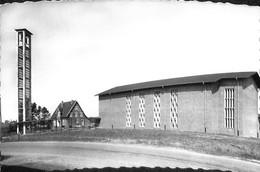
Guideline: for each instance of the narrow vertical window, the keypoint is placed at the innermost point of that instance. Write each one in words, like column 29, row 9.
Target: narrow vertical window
column 156, row 110
column 141, row 110
column 229, row 101
column 27, row 41
column 20, row 39
column 174, row 109
column 128, row 112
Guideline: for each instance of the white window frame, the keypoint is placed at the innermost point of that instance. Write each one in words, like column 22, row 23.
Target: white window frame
column 229, row 108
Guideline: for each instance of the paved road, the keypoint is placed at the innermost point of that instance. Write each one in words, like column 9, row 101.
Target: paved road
column 70, row 155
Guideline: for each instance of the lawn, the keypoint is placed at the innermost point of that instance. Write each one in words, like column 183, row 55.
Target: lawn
column 245, row 148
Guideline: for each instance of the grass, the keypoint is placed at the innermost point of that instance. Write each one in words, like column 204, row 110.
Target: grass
column 245, row 148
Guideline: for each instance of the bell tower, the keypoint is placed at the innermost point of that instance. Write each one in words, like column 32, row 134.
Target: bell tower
column 24, row 78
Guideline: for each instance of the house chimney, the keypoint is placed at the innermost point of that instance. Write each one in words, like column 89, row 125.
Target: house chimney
column 61, row 104
column 71, row 101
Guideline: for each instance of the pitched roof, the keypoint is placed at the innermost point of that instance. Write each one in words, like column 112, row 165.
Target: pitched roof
column 209, row 78
column 64, row 108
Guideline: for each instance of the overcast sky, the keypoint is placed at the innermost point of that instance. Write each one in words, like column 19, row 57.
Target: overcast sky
column 82, row 48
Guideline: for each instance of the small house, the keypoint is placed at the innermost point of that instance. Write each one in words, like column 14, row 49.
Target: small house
column 69, row 115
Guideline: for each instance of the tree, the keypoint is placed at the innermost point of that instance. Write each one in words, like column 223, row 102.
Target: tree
column 34, row 107
column 39, row 109
column 38, row 112
column 44, row 110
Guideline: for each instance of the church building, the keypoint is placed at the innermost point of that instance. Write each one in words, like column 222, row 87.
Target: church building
column 225, row 103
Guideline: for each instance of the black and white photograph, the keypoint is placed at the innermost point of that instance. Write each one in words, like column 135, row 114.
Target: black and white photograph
column 130, row 85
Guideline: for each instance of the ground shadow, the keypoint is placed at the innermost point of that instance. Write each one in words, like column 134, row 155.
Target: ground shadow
column 5, row 168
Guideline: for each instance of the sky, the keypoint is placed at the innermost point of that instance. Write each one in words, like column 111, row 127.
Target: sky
column 80, row 49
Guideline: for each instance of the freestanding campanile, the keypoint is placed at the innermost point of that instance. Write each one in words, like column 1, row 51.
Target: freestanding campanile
column 23, row 79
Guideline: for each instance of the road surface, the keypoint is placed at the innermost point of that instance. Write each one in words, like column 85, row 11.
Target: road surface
column 70, row 155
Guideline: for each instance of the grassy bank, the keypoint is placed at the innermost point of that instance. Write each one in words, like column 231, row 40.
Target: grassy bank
column 246, row 148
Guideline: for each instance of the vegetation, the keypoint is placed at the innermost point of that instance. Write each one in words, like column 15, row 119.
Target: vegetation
column 40, row 119
column 39, row 113
column 247, row 148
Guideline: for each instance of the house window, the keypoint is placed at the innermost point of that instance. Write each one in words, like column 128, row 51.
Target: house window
column 63, row 122
column 76, row 107
column 174, row 109
column 82, row 122
column 156, row 110
column 229, row 107
column 76, row 114
column 128, row 111
column 77, row 121
column 141, row 110
column 81, row 114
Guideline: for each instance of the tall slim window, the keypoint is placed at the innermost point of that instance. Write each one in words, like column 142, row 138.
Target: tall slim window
column 128, row 112
column 174, row 109
column 27, row 41
column 156, row 110
column 229, row 107
column 141, row 110
column 20, row 39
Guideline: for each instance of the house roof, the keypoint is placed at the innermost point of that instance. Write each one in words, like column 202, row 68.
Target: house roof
column 65, row 108
column 209, row 78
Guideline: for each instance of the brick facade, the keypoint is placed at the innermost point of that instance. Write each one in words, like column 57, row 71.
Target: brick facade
column 70, row 115
column 200, row 108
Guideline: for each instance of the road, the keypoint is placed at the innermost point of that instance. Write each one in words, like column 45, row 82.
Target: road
column 70, row 155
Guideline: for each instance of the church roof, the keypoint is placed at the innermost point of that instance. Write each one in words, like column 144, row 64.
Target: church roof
column 208, row 78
